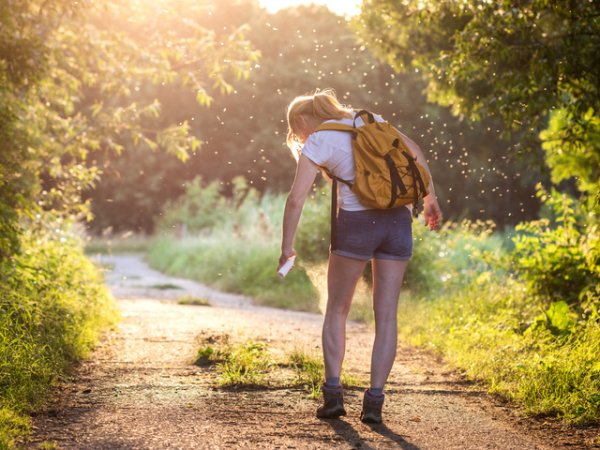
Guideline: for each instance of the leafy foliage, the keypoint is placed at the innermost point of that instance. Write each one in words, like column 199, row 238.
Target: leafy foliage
column 572, row 147
column 243, row 133
column 559, row 256
column 517, row 61
column 201, row 207
column 71, row 82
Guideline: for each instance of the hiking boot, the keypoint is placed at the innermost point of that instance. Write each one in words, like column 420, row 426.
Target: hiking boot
column 333, row 403
column 371, row 410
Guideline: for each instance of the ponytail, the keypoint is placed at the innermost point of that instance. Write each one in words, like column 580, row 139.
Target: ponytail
column 322, row 105
column 326, row 106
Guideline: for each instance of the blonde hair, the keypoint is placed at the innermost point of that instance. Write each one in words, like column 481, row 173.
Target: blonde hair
column 322, row 105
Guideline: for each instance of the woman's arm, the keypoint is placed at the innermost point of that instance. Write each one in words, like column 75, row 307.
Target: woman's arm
column 432, row 214
column 306, row 171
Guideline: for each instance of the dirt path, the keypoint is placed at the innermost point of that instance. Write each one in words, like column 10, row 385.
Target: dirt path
column 140, row 390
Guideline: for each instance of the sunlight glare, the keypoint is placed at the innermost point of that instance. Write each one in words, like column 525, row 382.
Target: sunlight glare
column 341, row 7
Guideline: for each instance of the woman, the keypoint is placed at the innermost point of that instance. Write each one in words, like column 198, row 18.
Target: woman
column 382, row 236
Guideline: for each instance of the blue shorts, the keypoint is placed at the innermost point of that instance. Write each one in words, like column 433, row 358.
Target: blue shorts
column 374, row 233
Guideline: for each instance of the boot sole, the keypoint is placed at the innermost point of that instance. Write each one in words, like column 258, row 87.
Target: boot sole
column 370, row 419
column 332, row 415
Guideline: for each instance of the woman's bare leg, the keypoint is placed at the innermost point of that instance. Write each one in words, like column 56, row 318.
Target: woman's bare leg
column 342, row 275
column 387, row 281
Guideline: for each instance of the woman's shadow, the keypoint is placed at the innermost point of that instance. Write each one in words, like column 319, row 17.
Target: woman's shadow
column 346, row 431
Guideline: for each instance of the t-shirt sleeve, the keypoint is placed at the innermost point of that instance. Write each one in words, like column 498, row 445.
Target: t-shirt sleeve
column 314, row 149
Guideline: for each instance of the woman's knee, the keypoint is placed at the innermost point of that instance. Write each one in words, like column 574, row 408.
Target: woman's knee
column 337, row 311
column 385, row 317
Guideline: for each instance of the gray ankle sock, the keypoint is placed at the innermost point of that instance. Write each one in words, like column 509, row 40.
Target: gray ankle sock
column 375, row 392
column 332, row 381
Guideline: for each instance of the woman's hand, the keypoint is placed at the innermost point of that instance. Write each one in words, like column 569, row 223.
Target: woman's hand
column 432, row 214
column 285, row 255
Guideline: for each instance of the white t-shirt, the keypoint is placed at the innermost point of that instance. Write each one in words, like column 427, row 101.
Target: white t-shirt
column 333, row 149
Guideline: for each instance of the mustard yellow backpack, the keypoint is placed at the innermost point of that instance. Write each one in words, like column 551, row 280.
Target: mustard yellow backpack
column 387, row 174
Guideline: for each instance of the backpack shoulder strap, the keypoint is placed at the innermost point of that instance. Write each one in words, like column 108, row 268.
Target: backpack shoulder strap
column 370, row 118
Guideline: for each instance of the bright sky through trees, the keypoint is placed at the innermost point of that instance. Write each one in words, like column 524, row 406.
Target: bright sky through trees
column 341, row 7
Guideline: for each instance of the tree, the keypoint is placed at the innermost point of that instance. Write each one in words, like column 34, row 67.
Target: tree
column 243, row 133
column 309, row 47
column 74, row 78
column 23, row 31
column 524, row 62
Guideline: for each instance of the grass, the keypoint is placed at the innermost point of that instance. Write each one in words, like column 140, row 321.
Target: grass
column 53, row 307
column 245, row 365
column 164, row 286
column 251, row 364
column 212, row 350
column 14, row 424
column 206, row 356
column 237, row 264
column 241, row 365
column 123, row 243
column 487, row 332
column 190, row 300
column 309, row 370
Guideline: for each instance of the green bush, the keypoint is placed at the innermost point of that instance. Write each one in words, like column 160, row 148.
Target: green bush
column 53, row 304
column 200, row 207
column 455, row 256
column 559, row 256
